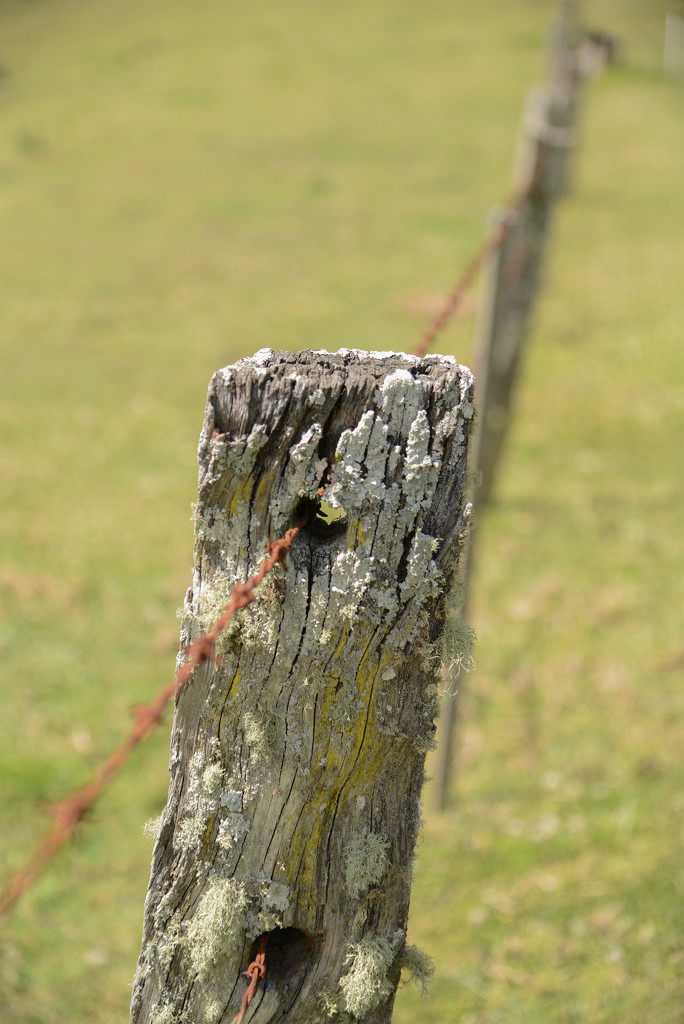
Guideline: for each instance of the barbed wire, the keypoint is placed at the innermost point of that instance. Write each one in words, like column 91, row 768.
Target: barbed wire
column 69, row 812
column 256, row 972
column 491, row 245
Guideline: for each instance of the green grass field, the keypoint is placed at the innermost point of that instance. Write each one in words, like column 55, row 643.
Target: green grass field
column 182, row 184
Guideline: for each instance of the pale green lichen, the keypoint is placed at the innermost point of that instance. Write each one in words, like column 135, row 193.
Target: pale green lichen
column 217, row 930
column 366, row 985
column 422, row 579
column 211, row 602
column 164, row 946
column 163, row 1015
column 232, row 828
column 255, row 627
column 327, row 1003
column 425, row 743
column 419, row 967
column 457, row 651
column 152, row 826
column 454, row 650
column 271, row 901
column 190, row 832
column 259, row 625
column 366, row 860
column 212, row 778
column 404, row 876
column 329, row 1007
column 347, row 706
column 212, row 526
column 260, row 731
column 213, row 1012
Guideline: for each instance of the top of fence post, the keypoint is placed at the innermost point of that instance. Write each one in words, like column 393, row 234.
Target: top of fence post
column 297, row 755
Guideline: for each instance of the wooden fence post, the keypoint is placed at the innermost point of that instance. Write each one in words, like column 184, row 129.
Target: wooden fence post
column 514, row 275
column 566, row 77
column 549, row 128
column 297, row 757
column 514, row 278
column 673, row 57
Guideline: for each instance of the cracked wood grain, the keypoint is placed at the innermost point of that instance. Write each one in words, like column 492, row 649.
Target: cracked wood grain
column 297, row 759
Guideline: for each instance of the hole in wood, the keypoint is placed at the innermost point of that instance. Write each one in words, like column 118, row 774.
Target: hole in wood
column 322, row 521
column 286, row 951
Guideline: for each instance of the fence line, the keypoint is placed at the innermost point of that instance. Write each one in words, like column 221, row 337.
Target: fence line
column 491, row 245
column 515, row 272
column 67, row 814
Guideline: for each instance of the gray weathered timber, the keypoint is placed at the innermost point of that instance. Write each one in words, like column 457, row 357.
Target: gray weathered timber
column 514, row 279
column 297, row 759
column 515, row 272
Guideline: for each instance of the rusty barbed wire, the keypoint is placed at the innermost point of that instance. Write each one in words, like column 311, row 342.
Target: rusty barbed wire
column 67, row 814
column 491, row 245
column 256, row 972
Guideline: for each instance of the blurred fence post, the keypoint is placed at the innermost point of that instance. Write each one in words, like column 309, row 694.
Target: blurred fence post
column 516, row 268
column 513, row 281
column 564, row 87
column 297, row 756
column 673, row 56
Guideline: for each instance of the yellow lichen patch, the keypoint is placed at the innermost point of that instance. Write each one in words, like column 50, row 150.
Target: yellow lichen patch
column 242, row 493
column 358, row 536
column 262, row 496
column 208, row 832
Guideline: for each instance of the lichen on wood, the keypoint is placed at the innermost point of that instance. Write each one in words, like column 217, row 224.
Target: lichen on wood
column 297, row 756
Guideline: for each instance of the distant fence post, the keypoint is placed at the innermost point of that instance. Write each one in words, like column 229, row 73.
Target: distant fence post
column 565, row 81
column 673, row 56
column 297, row 756
column 514, row 275
column 515, row 269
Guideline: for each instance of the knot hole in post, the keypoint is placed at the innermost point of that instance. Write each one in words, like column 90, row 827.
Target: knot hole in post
column 287, row 949
column 321, row 520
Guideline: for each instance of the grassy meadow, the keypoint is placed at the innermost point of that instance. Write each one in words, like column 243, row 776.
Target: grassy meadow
column 183, row 184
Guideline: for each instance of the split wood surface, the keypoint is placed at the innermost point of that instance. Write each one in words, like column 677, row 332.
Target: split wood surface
column 297, row 755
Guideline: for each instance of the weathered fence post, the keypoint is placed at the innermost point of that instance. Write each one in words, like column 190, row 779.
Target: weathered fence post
column 513, row 280
column 297, row 756
column 673, row 57
column 566, row 78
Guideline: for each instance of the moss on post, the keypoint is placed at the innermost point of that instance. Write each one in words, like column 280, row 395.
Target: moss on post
column 297, row 758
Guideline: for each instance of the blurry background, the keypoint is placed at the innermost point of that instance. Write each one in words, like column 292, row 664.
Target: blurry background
column 183, row 184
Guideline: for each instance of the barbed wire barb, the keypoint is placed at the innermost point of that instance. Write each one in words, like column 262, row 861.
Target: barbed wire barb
column 256, row 972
